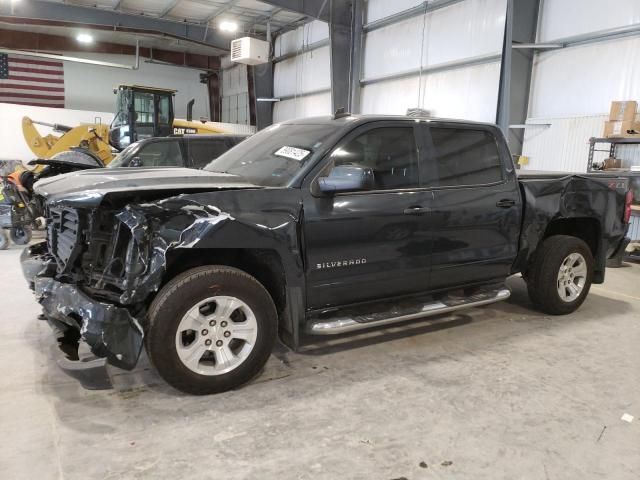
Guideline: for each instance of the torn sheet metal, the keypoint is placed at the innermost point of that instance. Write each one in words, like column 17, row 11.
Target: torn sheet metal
column 548, row 198
column 110, row 331
column 156, row 228
column 193, row 221
column 35, row 260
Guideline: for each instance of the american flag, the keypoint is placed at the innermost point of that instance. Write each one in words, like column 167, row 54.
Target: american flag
column 31, row 81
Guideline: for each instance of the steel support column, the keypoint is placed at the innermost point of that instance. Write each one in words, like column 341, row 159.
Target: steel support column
column 517, row 64
column 357, row 41
column 504, row 92
column 340, row 36
column 263, row 88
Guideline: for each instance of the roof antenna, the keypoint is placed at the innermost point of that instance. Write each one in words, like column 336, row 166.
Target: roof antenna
column 340, row 113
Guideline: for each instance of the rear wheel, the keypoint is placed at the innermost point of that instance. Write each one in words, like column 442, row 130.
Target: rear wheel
column 560, row 275
column 211, row 329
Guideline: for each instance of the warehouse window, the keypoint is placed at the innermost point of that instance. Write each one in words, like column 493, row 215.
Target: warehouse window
column 465, row 157
column 389, row 152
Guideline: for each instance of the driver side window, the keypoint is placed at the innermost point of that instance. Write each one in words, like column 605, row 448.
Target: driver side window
column 390, row 152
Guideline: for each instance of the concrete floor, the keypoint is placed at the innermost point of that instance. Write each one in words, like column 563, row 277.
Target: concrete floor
column 500, row 392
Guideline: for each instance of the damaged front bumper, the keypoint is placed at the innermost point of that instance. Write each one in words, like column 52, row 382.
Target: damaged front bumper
column 111, row 333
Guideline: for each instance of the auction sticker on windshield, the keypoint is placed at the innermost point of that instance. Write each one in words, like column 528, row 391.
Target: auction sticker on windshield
column 293, row 153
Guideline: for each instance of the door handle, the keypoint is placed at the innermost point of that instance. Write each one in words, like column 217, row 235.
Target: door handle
column 417, row 210
column 505, row 203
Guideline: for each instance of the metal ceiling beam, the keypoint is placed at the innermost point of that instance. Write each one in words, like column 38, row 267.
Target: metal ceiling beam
column 173, row 4
column 66, row 14
column 319, row 9
column 221, row 10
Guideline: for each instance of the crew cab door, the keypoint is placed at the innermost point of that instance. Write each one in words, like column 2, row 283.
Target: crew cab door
column 477, row 207
column 371, row 244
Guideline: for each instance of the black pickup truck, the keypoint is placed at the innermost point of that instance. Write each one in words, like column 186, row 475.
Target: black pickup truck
column 312, row 227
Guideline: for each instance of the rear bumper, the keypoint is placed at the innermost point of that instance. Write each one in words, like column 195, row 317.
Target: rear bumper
column 110, row 332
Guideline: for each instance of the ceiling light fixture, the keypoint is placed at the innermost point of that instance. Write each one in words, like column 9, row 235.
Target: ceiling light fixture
column 84, row 38
column 228, row 26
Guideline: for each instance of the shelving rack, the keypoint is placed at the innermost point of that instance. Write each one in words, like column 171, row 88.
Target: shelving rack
column 612, row 150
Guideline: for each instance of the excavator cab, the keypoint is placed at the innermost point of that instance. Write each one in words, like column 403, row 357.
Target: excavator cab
column 142, row 112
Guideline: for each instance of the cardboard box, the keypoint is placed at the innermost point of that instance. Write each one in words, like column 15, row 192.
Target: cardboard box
column 611, row 163
column 623, row 111
column 620, row 129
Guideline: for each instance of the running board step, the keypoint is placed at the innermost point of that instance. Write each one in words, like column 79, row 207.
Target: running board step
column 345, row 321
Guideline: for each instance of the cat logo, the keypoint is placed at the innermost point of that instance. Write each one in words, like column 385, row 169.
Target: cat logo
column 184, row 131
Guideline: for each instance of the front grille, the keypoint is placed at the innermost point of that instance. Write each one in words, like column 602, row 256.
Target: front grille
column 63, row 236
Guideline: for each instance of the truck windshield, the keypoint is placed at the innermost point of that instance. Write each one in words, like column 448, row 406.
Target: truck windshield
column 272, row 157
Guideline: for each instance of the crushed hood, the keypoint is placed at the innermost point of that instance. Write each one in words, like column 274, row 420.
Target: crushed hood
column 88, row 188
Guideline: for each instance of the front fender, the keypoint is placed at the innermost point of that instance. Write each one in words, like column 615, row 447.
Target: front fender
column 255, row 219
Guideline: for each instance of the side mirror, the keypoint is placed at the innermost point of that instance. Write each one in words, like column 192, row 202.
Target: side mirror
column 135, row 162
column 347, row 178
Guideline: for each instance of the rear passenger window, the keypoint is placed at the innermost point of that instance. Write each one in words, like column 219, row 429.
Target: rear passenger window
column 389, row 152
column 201, row 152
column 160, row 154
column 465, row 157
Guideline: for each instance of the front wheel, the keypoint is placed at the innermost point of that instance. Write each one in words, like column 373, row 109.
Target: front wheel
column 4, row 240
column 20, row 235
column 560, row 275
column 211, row 329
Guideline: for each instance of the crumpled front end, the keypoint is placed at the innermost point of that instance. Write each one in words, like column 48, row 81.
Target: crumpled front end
column 98, row 268
column 110, row 332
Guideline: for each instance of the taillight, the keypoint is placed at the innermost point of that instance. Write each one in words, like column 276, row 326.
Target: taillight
column 628, row 200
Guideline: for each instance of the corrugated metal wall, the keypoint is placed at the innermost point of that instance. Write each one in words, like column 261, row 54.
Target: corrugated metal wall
column 562, row 144
column 462, row 31
column 304, row 80
column 634, row 229
column 235, row 93
column 459, row 32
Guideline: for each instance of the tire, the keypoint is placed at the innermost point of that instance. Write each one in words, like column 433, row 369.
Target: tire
column 545, row 281
column 204, row 293
column 20, row 235
column 4, row 240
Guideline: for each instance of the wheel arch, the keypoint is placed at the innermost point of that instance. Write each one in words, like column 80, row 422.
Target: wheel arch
column 264, row 264
column 585, row 228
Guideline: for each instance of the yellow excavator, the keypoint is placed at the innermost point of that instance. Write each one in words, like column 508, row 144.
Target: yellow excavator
column 142, row 112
